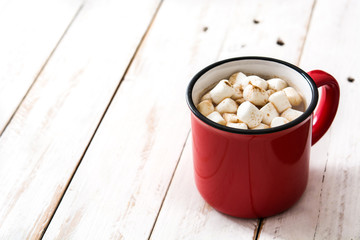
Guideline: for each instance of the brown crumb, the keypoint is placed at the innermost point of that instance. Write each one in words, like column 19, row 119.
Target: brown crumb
column 205, row 29
column 255, row 21
column 280, row 42
column 350, row 79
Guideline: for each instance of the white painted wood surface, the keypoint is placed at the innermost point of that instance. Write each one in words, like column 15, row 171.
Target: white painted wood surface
column 28, row 36
column 132, row 177
column 45, row 140
column 140, row 143
column 116, row 130
column 277, row 20
column 329, row 208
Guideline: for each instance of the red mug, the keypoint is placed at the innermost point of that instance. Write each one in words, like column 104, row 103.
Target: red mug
column 258, row 173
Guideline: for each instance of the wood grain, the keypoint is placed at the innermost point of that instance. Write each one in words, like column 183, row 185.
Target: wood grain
column 272, row 28
column 28, row 38
column 329, row 208
column 139, row 142
column 46, row 138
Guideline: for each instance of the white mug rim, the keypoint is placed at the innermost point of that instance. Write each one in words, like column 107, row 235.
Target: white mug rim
column 309, row 110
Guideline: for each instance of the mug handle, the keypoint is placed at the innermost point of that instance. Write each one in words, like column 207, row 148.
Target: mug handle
column 328, row 104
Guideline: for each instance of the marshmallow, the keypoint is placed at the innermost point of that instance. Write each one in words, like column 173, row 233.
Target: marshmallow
column 244, row 82
column 277, row 84
column 270, row 91
column 258, row 81
column 227, row 105
column 238, row 94
column 221, row 91
column 278, row 121
column 255, row 95
column 250, row 102
column 269, row 113
column 206, row 97
column 237, row 125
column 280, row 101
column 240, row 100
column 216, row 117
column 249, row 114
column 291, row 114
column 236, row 79
column 231, row 118
column 205, row 107
column 261, row 126
column 293, row 96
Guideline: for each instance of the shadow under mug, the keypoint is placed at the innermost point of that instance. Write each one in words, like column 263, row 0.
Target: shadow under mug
column 258, row 173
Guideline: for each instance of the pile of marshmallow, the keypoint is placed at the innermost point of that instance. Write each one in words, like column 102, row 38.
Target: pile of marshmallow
column 250, row 102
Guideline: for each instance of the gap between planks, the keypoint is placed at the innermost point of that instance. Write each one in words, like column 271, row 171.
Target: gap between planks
column 257, row 231
column 321, row 192
column 168, row 187
column 105, row 111
column 307, row 32
column 41, row 69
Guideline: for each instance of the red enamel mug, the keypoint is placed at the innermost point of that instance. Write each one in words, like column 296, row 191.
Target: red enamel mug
column 258, row 173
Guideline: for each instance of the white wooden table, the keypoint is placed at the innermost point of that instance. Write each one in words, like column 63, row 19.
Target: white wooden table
column 94, row 128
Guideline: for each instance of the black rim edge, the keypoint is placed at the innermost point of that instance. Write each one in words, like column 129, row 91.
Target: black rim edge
column 293, row 123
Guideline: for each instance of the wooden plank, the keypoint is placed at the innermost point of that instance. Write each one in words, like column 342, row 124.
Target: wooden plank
column 267, row 28
column 329, row 208
column 30, row 31
column 45, row 140
column 139, row 144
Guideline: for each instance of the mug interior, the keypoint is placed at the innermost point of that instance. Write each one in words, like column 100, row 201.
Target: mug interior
column 266, row 68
